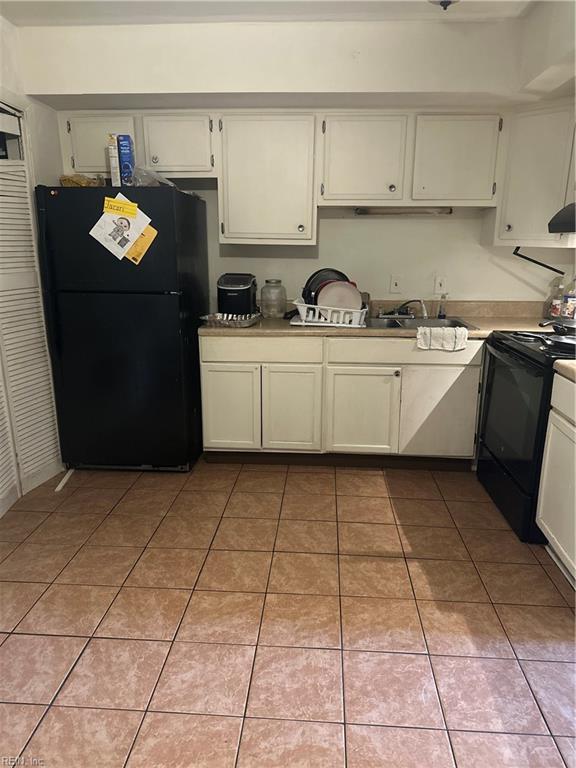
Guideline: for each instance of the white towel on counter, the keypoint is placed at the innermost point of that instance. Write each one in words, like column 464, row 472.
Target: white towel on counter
column 447, row 339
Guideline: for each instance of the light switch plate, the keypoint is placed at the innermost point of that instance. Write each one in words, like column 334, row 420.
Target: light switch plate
column 440, row 285
column 395, row 284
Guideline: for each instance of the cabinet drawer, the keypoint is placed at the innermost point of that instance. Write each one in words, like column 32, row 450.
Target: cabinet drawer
column 383, row 350
column 261, row 350
column 563, row 397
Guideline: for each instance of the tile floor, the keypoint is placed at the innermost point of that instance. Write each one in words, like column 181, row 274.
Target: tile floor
column 262, row 616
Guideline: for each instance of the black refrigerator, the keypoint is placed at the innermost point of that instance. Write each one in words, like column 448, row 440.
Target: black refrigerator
column 122, row 336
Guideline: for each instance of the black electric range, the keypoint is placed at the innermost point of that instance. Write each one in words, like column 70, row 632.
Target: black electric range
column 517, row 389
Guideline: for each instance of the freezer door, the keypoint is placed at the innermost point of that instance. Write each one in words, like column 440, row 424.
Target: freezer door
column 119, row 380
column 73, row 260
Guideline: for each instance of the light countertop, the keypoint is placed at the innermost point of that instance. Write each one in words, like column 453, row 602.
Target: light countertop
column 566, row 368
column 271, row 328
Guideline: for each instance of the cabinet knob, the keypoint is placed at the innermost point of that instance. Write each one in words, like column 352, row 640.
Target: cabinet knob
column 301, row 227
column 154, row 158
column 508, row 227
column 396, row 373
column 392, row 187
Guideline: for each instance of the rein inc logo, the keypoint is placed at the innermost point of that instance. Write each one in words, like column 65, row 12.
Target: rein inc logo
column 27, row 761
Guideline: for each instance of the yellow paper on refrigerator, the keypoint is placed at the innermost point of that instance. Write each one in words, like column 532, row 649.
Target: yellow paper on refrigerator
column 141, row 245
column 120, row 206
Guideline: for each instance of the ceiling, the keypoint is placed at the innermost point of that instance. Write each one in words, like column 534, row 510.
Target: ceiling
column 90, row 12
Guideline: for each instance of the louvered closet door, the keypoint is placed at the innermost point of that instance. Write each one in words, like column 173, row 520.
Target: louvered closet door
column 25, row 361
column 8, row 471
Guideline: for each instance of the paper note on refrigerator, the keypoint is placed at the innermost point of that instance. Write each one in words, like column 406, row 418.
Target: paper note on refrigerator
column 118, row 233
column 137, row 251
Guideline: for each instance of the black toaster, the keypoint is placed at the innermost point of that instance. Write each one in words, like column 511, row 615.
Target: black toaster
column 237, row 293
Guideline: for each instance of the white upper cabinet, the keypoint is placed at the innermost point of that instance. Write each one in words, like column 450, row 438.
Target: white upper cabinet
column 363, row 157
column 178, row 143
column 455, row 157
column 89, row 140
column 266, row 185
column 537, row 176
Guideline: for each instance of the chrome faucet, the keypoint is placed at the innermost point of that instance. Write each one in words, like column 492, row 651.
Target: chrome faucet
column 397, row 312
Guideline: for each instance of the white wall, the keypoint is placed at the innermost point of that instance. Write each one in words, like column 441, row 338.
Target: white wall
column 412, row 248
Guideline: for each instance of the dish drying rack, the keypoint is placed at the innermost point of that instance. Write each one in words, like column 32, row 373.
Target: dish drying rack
column 311, row 314
column 227, row 320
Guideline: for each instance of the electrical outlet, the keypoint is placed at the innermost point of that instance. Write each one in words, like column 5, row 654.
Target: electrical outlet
column 395, row 284
column 440, row 284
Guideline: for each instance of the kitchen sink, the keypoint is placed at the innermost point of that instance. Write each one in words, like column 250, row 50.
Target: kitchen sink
column 416, row 322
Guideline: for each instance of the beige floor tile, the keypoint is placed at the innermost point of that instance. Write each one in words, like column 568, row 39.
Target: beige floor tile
column 245, row 533
column 497, row 547
column 540, row 633
column 66, row 530
column 303, row 483
column 478, row 750
column 124, row 531
column 32, row 667
column 390, row 689
column 169, row 740
column 16, row 599
column 553, row 683
column 432, row 543
column 567, row 748
column 422, row 512
column 17, row 721
column 369, row 746
column 296, row 683
column 98, row 478
column 446, row 580
column 562, row 585
column 306, row 536
column 475, row 514
column 103, row 566
column 322, row 469
column 460, row 486
column 222, row 617
column 313, row 506
column 70, row 736
column 3, row 636
column 463, row 629
column 360, row 485
column 91, row 500
column 176, row 568
column 41, row 499
column 411, row 484
column 227, row 571
column 211, row 480
column 205, row 678
column 260, row 482
column 369, row 539
column 146, row 614
column 374, row 577
column 486, row 695
column 265, row 505
column 161, row 481
column 304, row 574
column 145, row 503
column 6, row 548
column 17, row 524
column 35, row 562
column 191, row 533
column 114, row 674
column 301, row 620
column 201, row 503
column 261, row 467
column 283, row 743
column 364, row 509
column 68, row 609
column 540, row 553
column 206, row 464
column 519, row 584
column 372, row 624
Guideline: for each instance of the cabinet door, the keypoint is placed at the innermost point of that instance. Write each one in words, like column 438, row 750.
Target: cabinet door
column 438, row 411
column 364, row 157
column 89, row 140
column 231, row 406
column 178, row 143
column 292, row 407
column 267, row 177
column 362, row 410
column 555, row 514
column 537, row 175
column 455, row 157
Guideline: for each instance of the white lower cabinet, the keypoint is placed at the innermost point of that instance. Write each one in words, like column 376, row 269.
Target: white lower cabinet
column 362, row 409
column 438, row 411
column 292, row 407
column 231, row 406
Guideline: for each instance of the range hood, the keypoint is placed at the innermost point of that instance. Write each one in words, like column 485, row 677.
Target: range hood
column 564, row 220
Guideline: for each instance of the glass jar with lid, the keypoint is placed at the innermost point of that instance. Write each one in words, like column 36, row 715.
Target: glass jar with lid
column 273, row 299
